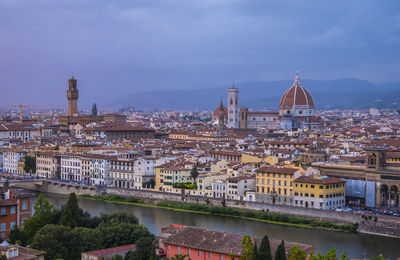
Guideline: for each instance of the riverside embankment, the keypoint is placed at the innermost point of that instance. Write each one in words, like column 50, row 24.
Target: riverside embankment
column 385, row 226
column 357, row 245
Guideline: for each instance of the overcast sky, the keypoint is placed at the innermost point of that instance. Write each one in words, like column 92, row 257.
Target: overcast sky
column 120, row 47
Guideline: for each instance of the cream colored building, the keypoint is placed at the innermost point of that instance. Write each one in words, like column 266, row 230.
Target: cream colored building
column 48, row 165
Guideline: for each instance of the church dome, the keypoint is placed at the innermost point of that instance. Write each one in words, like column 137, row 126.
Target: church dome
column 220, row 107
column 296, row 95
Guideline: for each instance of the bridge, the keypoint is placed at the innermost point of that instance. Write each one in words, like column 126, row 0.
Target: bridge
column 45, row 185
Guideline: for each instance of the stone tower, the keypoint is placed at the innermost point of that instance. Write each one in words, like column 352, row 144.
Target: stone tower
column 233, row 107
column 72, row 95
column 221, row 116
column 376, row 158
column 243, row 117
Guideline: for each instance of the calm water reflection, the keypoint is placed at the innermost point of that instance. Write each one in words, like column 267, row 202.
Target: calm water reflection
column 356, row 245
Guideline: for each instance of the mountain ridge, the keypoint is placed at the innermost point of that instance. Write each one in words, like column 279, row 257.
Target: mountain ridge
column 327, row 94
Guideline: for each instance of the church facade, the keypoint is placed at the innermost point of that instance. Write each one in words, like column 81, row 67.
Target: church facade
column 296, row 110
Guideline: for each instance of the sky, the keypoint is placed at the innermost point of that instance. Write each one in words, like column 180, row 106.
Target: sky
column 119, row 47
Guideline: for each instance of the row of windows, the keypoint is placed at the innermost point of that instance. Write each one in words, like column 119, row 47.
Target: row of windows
column 321, row 187
column 279, row 175
column 3, row 210
column 328, row 203
column 271, row 191
column 199, row 252
column 330, row 195
column 3, row 226
column 279, row 183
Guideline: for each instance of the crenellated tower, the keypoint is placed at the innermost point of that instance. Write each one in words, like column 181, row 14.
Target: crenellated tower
column 72, row 95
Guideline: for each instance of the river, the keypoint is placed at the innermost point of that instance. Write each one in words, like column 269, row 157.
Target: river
column 356, row 245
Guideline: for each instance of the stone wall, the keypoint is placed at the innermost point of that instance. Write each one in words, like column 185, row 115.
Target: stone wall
column 328, row 215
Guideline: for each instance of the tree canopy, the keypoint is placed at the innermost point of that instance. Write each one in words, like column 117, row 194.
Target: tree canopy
column 70, row 216
column 264, row 252
column 280, row 252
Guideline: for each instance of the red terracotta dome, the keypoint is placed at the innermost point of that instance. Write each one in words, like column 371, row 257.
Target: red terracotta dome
column 221, row 106
column 296, row 95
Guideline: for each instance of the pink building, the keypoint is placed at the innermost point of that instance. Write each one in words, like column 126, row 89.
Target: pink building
column 204, row 244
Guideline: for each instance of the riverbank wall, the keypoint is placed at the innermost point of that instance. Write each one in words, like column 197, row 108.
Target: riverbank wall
column 381, row 225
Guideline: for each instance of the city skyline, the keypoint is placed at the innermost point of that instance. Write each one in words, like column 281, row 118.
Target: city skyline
column 114, row 48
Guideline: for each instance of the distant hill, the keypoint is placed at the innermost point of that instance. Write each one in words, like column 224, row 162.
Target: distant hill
column 327, row 94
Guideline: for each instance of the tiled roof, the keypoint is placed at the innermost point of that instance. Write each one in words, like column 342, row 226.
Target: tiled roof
column 120, row 250
column 311, row 179
column 217, row 241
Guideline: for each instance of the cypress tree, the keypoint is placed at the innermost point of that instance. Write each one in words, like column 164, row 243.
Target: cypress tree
column 280, row 253
column 70, row 216
column 264, row 252
column 255, row 250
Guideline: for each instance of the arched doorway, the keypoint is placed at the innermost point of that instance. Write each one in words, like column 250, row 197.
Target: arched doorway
column 384, row 195
column 394, row 196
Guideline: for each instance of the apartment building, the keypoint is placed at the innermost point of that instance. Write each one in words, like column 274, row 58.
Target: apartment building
column 15, row 209
column 71, row 167
column 319, row 192
column 48, row 165
column 275, row 184
column 10, row 160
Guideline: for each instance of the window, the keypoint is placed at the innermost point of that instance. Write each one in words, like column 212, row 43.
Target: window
column 12, row 225
column 188, row 251
column 24, row 205
column 221, row 256
column 199, row 254
column 3, row 227
column 179, row 249
column 3, row 211
column 209, row 255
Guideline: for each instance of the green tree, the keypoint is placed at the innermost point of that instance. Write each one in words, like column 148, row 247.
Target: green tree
column 264, row 252
column 71, row 213
column 180, row 257
column 45, row 213
column 50, row 239
column 343, row 256
column 194, row 173
column 30, row 164
column 331, row 254
column 17, row 236
column 144, row 248
column 79, row 240
column 248, row 249
column 123, row 234
column 297, row 254
column 118, row 218
column 280, row 253
column 255, row 250
column 380, row 257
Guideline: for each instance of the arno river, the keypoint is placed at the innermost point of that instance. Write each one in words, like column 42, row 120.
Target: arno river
column 356, row 245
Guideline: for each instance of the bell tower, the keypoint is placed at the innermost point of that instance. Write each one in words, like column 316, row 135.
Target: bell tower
column 233, row 107
column 72, row 95
column 221, row 116
column 376, row 158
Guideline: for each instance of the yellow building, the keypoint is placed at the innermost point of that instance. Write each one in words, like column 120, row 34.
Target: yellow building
column 168, row 174
column 250, row 158
column 319, row 192
column 275, row 185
